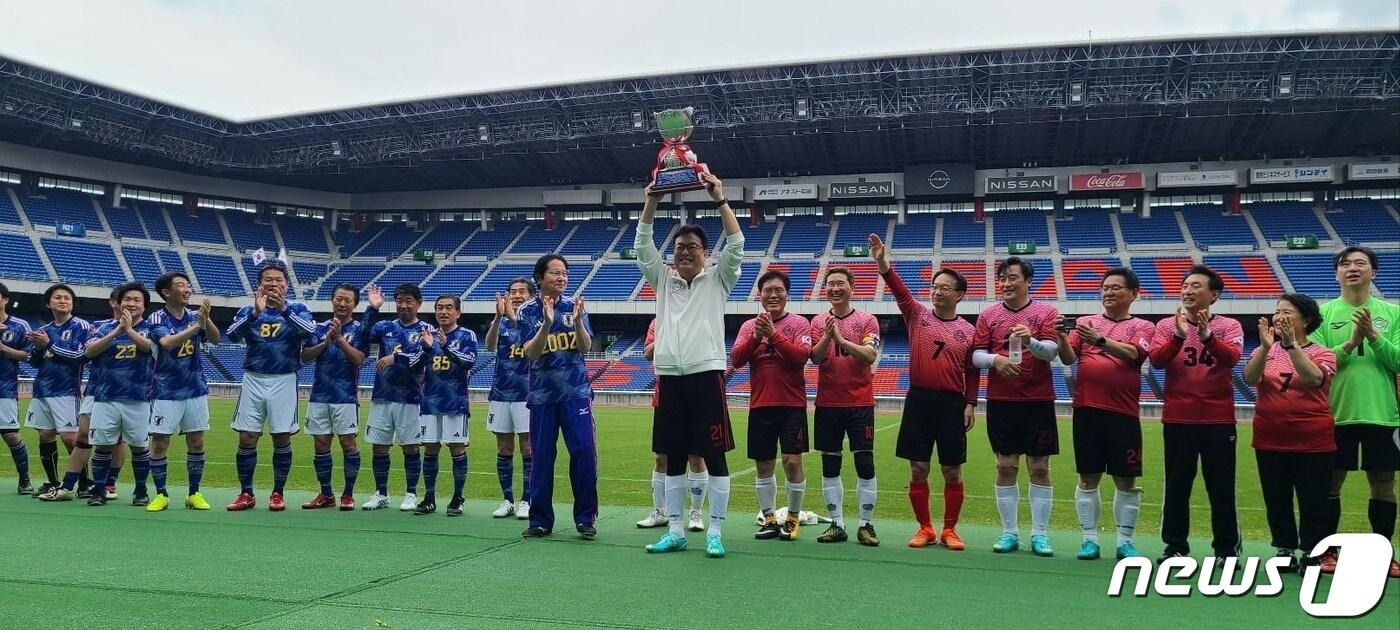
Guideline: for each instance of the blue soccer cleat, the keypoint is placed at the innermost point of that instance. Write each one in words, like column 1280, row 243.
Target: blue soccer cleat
column 1088, row 551
column 668, row 543
column 1040, row 546
column 714, row 547
column 1007, row 543
column 1127, row 550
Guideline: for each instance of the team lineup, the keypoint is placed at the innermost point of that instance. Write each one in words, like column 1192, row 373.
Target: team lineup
column 1325, row 377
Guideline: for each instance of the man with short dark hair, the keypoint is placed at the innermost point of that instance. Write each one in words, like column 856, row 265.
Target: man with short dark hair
column 444, row 411
column 14, row 348
column 339, row 347
column 58, row 361
column 508, row 412
column 126, row 357
column 398, row 391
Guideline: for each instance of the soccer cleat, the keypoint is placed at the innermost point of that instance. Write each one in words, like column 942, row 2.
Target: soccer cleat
column 923, row 538
column 58, row 493
column 376, row 502
column 347, row 503
column 1168, row 555
column 320, row 501
column 158, row 503
column 1395, row 569
column 535, row 531
column 410, row 503
column 140, row 499
column 506, row 508
column 1126, row 550
column 694, row 524
column 655, row 519
column 714, row 547
column 111, row 492
column 1006, row 543
column 1040, row 546
column 833, row 534
column 522, row 510
column 951, row 541
column 276, row 503
column 587, row 531
column 97, row 500
column 1328, row 561
column 454, row 507
column 196, row 502
column 1292, row 566
column 769, row 529
column 25, row 488
column 44, row 488
column 84, row 487
column 669, row 542
column 791, row 526
column 1088, row 550
column 865, row 535
column 426, row 507
column 244, row 501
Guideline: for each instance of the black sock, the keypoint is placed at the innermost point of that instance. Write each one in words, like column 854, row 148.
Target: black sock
column 1334, row 513
column 1382, row 515
column 48, row 457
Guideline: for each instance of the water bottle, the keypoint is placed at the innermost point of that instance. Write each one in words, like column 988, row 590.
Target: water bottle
column 1013, row 350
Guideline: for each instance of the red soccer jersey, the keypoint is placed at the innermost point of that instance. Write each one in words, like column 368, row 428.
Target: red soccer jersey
column 994, row 333
column 940, row 350
column 1199, row 387
column 1103, row 380
column 776, row 365
column 655, row 387
column 844, row 380
column 1288, row 416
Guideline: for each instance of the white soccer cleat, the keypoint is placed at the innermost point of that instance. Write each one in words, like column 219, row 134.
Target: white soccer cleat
column 522, row 510
column 694, row 524
column 376, row 502
column 410, row 503
column 506, row 508
column 655, row 519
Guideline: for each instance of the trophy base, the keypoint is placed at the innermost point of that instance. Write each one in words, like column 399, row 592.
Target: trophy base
column 677, row 180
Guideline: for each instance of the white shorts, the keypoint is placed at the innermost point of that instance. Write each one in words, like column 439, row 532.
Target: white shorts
column 332, row 418
column 269, row 399
column 59, row 413
column 388, row 420
column 9, row 414
column 508, row 417
column 86, row 408
column 169, row 417
column 120, row 420
column 442, row 429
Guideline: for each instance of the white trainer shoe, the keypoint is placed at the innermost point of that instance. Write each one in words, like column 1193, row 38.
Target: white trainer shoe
column 410, row 503
column 522, row 510
column 694, row 523
column 655, row 519
column 376, row 502
column 506, row 508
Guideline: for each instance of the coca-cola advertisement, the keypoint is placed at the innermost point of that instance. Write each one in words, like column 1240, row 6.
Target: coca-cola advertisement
column 1129, row 180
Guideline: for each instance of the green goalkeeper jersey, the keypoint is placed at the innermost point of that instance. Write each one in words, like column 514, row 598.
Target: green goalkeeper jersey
column 1364, row 389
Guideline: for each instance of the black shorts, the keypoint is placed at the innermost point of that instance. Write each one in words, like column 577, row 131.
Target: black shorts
column 1376, row 443
column 1023, row 427
column 933, row 418
column 833, row 424
column 771, row 426
column 1105, row 441
column 693, row 415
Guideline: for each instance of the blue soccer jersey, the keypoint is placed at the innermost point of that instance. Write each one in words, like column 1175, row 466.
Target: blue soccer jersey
column 274, row 338
column 123, row 372
column 180, row 371
column 402, row 381
column 12, row 335
column 337, row 380
column 448, row 371
column 95, row 381
column 511, row 381
column 559, row 374
column 59, row 368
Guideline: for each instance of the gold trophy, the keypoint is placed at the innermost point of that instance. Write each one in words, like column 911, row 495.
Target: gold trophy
column 677, row 169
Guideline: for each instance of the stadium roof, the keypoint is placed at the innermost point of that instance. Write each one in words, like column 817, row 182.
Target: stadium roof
column 1139, row 101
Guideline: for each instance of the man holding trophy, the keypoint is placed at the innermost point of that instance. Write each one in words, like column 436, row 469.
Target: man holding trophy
column 693, row 416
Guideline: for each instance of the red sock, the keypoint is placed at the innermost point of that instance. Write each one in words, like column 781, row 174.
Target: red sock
column 952, row 504
column 918, row 498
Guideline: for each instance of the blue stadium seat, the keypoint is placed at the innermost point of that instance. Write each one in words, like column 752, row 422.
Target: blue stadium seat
column 591, row 238
column 1020, row 225
column 1245, row 276
column 125, row 222
column 493, row 242
column 538, row 240
column 216, row 273
column 1084, row 276
column 1387, row 280
column 454, row 278
column 1312, row 274
column 21, row 259
column 498, row 279
column 358, row 274
column 744, row 289
column 349, row 243
column 960, row 231
column 1210, row 226
column 153, row 217
column 308, row 273
column 84, row 262
column 661, row 231
column 391, row 243
column 445, row 238
column 170, row 260
column 302, row 234
column 805, row 234
column 143, row 263
column 8, row 214
column 1364, row 221
column 249, row 234
column 1280, row 219
column 917, row 232
column 405, row 273
column 1160, row 229
column 52, row 206
column 202, row 228
column 916, row 275
column 855, row 229
column 614, row 281
column 1085, row 228
column 758, row 238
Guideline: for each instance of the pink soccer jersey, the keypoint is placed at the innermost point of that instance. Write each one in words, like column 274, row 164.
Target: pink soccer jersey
column 1199, row 387
column 994, row 333
column 777, row 364
column 1103, row 380
column 1289, row 416
column 844, row 380
column 940, row 351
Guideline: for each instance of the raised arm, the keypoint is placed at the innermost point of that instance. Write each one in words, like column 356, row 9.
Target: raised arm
column 648, row 257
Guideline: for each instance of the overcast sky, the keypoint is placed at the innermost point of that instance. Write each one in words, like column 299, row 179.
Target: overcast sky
column 260, row 58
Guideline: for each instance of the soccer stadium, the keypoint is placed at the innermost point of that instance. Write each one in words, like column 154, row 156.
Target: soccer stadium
column 1260, row 157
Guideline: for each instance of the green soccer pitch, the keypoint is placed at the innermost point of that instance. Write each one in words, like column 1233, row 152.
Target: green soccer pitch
column 75, row 566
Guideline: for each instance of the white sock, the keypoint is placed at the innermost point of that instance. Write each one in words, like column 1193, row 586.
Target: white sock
column 1042, row 498
column 865, row 494
column 767, row 488
column 1087, row 505
column 1008, row 502
column 658, row 491
column 719, row 502
column 1125, row 513
column 675, row 503
column 832, row 492
column 795, row 491
column 698, row 481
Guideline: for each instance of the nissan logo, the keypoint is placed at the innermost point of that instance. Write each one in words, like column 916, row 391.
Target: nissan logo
column 939, row 179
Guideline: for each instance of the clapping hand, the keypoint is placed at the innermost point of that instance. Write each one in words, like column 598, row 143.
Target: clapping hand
column 375, row 296
column 1266, row 334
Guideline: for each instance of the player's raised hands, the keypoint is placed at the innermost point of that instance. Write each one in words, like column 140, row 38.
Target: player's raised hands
column 500, row 306
column 547, row 310
column 39, row 338
column 124, row 322
column 259, row 302
column 763, row 326
column 1266, row 334
column 1203, row 323
column 1284, row 330
column 1179, row 321
column 375, row 296
column 1020, row 330
column 333, row 330
column 712, row 184
column 205, row 309
column 877, row 252
column 1363, row 326
column 579, row 306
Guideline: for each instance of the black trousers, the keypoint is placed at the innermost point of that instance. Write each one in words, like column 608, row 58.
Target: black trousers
column 1213, row 445
column 1309, row 477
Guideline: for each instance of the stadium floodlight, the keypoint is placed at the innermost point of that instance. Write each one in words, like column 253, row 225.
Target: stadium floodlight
column 1285, row 84
column 801, row 109
column 483, row 133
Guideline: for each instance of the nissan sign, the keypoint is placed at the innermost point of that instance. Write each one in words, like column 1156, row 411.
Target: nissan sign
column 781, row 192
column 1028, row 184
column 1128, row 180
column 1290, row 174
column 1384, row 170
column 938, row 179
column 849, row 190
column 1197, row 178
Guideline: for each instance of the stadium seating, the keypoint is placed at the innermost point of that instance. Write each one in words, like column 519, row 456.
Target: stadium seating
column 975, row 271
column 153, row 218
column 538, row 240
column 21, row 259
column 591, row 238
column 1158, row 230
column 1085, row 229
column 803, row 235
column 125, row 222
column 855, row 229
column 614, row 281
column 1279, row 219
column 1160, row 277
column 758, row 238
column 1043, row 284
column 1364, row 221
column 405, row 273
column 308, row 273
column 1020, row 225
column 1245, row 276
column 84, row 262
column 49, row 207
column 960, row 231
column 1310, row 273
column 8, row 214
column 867, row 278
column 202, row 228
column 453, row 279
column 143, row 263
column 803, row 276
column 1387, row 280
column 358, row 274
column 917, row 232
column 1084, row 276
column 917, row 275
column 1210, row 226
column 744, row 288
column 249, row 233
column 444, row 238
column 350, row 243
column 497, row 280
column 302, row 234
column 493, row 242
column 216, row 274
column 391, row 243
column 170, row 260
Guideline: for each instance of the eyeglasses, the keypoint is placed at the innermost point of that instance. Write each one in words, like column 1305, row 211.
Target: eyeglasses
column 1109, row 288
column 689, row 248
column 938, row 288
